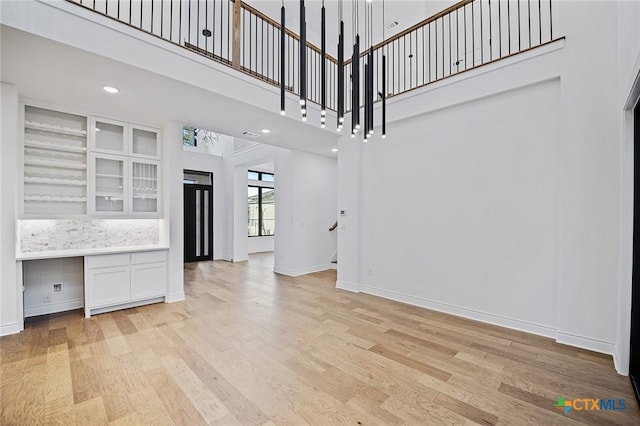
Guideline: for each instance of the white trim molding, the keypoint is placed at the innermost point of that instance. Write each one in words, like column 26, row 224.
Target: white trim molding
column 585, row 342
column 174, row 297
column 52, row 308
column 11, row 328
column 621, row 356
column 447, row 308
column 343, row 285
column 296, row 272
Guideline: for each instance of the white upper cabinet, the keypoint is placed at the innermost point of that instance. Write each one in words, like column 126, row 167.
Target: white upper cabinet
column 145, row 142
column 76, row 165
column 108, row 186
column 145, row 187
column 108, row 136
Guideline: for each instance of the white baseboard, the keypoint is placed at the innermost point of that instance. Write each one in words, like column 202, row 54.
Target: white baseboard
column 296, row 272
column 343, row 285
column 570, row 339
column 619, row 364
column 11, row 328
column 52, row 308
column 174, row 297
column 502, row 321
column 333, row 266
column 134, row 304
column 584, row 342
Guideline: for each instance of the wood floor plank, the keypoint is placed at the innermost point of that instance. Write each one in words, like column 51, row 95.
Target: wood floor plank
column 177, row 404
column 409, row 362
column 250, row 347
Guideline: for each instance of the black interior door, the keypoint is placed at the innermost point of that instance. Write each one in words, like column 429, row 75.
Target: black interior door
column 634, row 360
column 198, row 222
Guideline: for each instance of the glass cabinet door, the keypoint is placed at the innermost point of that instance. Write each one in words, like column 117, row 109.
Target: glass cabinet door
column 144, row 142
column 109, row 175
column 109, row 136
column 144, row 186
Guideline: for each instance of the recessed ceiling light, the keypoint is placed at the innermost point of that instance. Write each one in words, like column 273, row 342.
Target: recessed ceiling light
column 110, row 89
column 334, row 149
column 266, row 131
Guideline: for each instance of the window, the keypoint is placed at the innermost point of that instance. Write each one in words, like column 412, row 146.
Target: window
column 261, row 204
column 261, row 176
column 189, row 136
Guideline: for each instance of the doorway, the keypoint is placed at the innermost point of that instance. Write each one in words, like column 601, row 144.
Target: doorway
column 198, row 216
column 634, row 353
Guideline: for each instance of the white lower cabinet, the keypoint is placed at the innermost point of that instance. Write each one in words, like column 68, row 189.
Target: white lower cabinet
column 118, row 281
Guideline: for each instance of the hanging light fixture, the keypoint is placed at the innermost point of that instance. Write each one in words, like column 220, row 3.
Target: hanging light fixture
column 323, row 68
column 282, row 59
column 303, row 61
column 355, row 73
column 340, row 115
column 384, row 77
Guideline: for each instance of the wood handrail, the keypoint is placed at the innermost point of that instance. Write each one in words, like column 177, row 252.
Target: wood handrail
column 290, row 33
column 420, row 24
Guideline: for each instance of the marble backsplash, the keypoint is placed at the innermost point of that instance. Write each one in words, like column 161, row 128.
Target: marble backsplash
column 75, row 234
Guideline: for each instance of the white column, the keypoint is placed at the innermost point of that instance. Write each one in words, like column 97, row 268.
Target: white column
column 11, row 316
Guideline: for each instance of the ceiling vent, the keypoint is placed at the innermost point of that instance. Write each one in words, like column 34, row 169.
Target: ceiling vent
column 250, row 134
column 391, row 24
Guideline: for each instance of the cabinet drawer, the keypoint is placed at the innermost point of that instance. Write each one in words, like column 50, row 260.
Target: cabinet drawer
column 148, row 257
column 107, row 260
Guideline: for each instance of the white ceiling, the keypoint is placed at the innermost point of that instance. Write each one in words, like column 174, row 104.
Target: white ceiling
column 405, row 12
column 70, row 78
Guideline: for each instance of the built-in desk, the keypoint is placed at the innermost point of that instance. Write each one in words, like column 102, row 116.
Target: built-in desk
column 113, row 278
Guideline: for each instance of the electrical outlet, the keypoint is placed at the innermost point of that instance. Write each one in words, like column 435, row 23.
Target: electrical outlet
column 56, row 288
column 47, row 298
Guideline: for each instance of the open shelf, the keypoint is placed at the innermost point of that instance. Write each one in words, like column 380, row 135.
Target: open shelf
column 60, row 164
column 55, row 162
column 54, row 181
column 54, row 146
column 106, row 175
column 54, row 198
column 44, row 127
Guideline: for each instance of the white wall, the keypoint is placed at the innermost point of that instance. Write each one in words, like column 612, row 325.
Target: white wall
column 10, row 297
column 260, row 244
column 173, row 207
column 38, row 279
column 588, row 178
column 306, row 208
column 458, row 209
column 499, row 200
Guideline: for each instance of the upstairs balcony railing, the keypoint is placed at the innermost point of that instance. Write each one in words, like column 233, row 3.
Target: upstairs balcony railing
column 467, row 35
column 227, row 31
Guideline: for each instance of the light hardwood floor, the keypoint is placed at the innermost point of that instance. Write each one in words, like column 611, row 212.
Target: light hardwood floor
column 250, row 347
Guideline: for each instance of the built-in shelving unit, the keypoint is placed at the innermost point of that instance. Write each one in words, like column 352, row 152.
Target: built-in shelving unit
column 77, row 165
column 55, row 162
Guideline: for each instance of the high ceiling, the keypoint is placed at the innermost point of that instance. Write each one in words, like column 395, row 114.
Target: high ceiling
column 72, row 78
column 405, row 12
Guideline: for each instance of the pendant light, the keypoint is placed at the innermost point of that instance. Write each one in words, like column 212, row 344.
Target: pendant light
column 355, row 73
column 383, row 95
column 323, row 68
column 282, row 59
column 340, row 97
column 303, row 61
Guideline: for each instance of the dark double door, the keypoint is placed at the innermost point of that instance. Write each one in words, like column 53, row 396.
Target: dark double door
column 198, row 222
column 634, row 357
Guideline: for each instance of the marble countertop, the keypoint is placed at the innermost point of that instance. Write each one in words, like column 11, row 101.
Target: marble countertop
column 52, row 254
